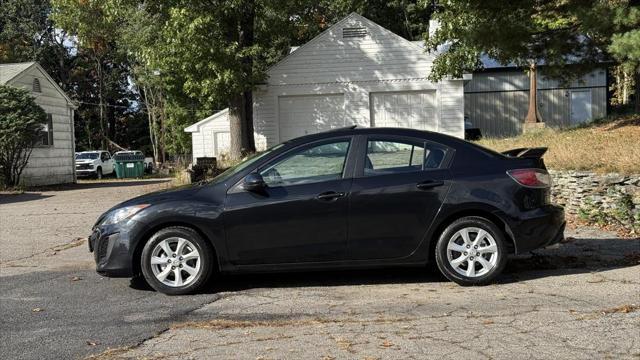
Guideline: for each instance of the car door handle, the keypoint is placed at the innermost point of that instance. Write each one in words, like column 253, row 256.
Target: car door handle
column 428, row 184
column 330, row 195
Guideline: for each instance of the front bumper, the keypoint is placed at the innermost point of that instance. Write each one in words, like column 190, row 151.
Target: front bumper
column 538, row 228
column 113, row 247
column 85, row 172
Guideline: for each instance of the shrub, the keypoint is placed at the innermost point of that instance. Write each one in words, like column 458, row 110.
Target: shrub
column 21, row 120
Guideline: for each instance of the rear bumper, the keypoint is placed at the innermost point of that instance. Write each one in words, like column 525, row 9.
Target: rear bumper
column 538, row 228
column 114, row 246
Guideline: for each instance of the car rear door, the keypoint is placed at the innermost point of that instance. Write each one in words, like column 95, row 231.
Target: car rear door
column 301, row 216
column 399, row 186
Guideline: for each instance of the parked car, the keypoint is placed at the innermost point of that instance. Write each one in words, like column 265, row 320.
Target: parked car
column 348, row 198
column 94, row 163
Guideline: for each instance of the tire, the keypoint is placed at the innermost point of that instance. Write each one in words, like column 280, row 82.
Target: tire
column 455, row 265
column 171, row 279
column 99, row 174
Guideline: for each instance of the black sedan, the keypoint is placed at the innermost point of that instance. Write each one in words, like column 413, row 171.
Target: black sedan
column 347, row 198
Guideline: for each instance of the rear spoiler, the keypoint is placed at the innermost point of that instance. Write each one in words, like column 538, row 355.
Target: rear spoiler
column 530, row 153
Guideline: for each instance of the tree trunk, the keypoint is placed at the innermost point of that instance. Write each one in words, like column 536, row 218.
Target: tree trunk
column 103, row 136
column 636, row 95
column 236, row 110
column 533, row 116
column 241, row 105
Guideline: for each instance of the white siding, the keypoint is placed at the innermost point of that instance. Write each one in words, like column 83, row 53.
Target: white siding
column 356, row 68
column 52, row 164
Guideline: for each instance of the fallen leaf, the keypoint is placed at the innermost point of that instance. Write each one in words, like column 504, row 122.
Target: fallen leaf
column 76, row 278
column 387, row 344
column 622, row 309
column 92, row 343
column 37, row 310
column 487, row 322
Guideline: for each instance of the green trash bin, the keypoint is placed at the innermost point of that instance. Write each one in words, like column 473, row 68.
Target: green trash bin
column 129, row 164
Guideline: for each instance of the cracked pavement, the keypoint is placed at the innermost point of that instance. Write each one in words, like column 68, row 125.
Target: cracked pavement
column 579, row 299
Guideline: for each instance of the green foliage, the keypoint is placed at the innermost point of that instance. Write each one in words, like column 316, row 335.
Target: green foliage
column 623, row 213
column 555, row 33
column 20, row 122
column 625, row 43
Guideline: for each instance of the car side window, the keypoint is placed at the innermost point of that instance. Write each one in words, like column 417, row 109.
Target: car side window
column 308, row 165
column 397, row 156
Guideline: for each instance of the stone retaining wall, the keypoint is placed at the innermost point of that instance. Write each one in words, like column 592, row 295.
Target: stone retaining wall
column 604, row 198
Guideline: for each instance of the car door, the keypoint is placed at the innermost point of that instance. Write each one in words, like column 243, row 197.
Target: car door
column 301, row 215
column 399, row 186
column 107, row 163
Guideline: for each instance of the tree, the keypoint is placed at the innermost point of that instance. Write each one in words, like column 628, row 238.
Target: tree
column 526, row 33
column 91, row 22
column 407, row 18
column 28, row 34
column 21, row 120
column 625, row 45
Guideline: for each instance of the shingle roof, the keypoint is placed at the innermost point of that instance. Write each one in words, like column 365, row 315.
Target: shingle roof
column 10, row 71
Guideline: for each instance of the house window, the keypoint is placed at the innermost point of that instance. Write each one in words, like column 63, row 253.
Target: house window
column 354, row 32
column 46, row 134
column 36, row 85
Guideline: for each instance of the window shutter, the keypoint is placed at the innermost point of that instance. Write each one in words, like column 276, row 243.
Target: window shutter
column 50, row 128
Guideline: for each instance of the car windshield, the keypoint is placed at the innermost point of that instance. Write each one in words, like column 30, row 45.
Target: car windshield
column 243, row 164
column 87, row 156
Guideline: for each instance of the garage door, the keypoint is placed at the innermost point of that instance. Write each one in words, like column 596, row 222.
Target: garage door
column 222, row 142
column 410, row 109
column 302, row 115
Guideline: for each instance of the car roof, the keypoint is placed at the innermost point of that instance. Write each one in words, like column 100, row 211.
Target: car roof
column 353, row 130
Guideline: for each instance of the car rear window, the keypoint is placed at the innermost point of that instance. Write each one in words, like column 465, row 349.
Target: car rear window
column 397, row 156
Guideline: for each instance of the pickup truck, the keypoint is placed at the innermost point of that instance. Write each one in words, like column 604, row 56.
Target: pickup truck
column 94, row 163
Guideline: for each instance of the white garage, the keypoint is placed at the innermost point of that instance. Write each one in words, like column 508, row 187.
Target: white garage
column 354, row 73
column 302, row 115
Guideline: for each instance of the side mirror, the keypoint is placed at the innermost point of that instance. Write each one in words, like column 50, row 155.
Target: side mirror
column 254, row 182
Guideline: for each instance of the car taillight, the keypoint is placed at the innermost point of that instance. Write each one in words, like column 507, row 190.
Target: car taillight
column 535, row 178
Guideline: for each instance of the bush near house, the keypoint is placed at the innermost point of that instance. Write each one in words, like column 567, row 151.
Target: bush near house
column 606, row 145
column 21, row 120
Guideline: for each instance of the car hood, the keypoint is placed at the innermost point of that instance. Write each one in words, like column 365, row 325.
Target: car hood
column 84, row 161
column 183, row 192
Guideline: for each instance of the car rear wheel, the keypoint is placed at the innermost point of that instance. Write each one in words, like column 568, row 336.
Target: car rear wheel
column 471, row 251
column 176, row 261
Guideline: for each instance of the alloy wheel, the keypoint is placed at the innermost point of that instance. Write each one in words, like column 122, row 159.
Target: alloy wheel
column 472, row 252
column 175, row 262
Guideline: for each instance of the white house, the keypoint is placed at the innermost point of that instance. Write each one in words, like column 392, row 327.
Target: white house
column 354, row 73
column 52, row 160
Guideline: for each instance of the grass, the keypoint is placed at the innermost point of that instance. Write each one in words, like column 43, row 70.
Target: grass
column 607, row 145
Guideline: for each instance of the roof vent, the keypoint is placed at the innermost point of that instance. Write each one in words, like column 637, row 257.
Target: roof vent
column 36, row 85
column 354, row 32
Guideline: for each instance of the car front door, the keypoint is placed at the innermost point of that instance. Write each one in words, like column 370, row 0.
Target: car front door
column 301, row 214
column 399, row 186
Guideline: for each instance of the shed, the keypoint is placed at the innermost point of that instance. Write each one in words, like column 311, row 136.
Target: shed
column 497, row 99
column 52, row 160
column 210, row 136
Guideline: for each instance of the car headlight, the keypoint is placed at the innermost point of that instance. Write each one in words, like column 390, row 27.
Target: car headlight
column 126, row 212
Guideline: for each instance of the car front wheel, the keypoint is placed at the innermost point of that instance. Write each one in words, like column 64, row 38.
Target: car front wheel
column 177, row 261
column 471, row 251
